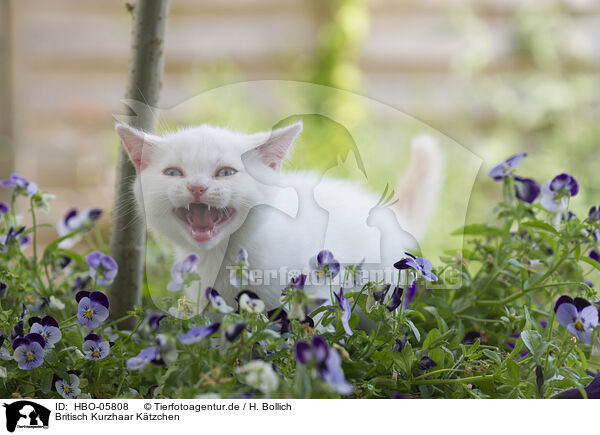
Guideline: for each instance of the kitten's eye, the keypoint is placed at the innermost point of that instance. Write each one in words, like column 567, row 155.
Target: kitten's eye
column 225, row 172
column 173, row 172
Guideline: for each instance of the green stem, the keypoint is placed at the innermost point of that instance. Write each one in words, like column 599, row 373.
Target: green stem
column 564, row 355
column 426, row 375
column 472, row 379
column 34, row 234
column 524, row 292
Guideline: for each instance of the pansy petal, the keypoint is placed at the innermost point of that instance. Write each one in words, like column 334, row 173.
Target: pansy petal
column 303, row 352
column 49, row 321
column 566, row 314
column 589, row 316
column 585, row 335
column 321, row 350
column 93, row 337
column 527, row 190
column 580, row 303
column 561, row 300
column 99, row 298
column 82, row 294
column 37, row 328
column 37, row 338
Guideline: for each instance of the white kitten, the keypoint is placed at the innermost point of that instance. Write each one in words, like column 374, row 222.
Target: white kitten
column 212, row 191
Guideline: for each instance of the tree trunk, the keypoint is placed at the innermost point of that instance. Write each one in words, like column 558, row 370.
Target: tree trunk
column 128, row 234
column 6, row 119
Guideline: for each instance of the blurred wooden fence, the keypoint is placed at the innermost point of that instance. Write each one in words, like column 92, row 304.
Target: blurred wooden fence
column 69, row 63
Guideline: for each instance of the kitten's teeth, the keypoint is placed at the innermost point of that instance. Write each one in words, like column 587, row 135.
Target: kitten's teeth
column 188, row 207
column 209, row 208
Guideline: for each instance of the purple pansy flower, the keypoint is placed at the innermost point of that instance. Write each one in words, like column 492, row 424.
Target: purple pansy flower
column 594, row 214
column 11, row 235
column 4, row 208
column 94, row 348
column 75, row 221
column 21, row 185
column 63, row 262
column 148, row 355
column 592, row 390
column 426, row 363
column 68, row 389
column 421, row 265
column 217, row 301
column 154, row 321
column 198, row 333
column 346, row 311
column 4, row 354
column 395, row 299
column 298, row 282
column 102, row 267
column 240, row 273
column 327, row 361
column 92, row 308
column 242, row 258
column 577, row 315
column 569, row 216
column 279, row 315
column 506, row 168
column 324, row 264
column 233, row 331
column 400, row 343
column 29, row 351
column 250, row 301
column 594, row 255
column 48, row 329
column 3, row 286
column 17, row 330
column 556, row 192
column 376, row 296
column 471, row 336
column 527, row 189
column 81, row 283
column 180, row 271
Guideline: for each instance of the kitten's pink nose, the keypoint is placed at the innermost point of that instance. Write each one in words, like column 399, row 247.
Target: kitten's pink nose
column 197, row 190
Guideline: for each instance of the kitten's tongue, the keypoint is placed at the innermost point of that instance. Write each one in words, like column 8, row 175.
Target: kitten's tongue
column 203, row 220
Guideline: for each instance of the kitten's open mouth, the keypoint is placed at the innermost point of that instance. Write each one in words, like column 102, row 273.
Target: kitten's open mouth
column 203, row 221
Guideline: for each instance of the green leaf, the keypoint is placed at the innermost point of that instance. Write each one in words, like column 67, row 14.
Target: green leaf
column 539, row 225
column 591, row 262
column 473, row 348
column 431, row 337
column 46, row 384
column 513, row 370
column 516, row 263
column 534, row 342
column 478, row 230
column 405, row 359
column 492, row 355
column 438, row 355
column 415, row 331
column 51, row 356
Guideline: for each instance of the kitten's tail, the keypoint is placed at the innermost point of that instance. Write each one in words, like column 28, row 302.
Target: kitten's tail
column 419, row 187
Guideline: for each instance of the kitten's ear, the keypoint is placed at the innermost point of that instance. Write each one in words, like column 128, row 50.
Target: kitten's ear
column 138, row 144
column 277, row 146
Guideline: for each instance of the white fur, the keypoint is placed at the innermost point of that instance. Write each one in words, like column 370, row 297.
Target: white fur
column 282, row 218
